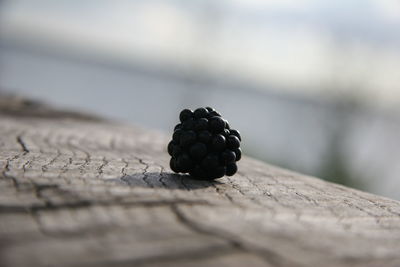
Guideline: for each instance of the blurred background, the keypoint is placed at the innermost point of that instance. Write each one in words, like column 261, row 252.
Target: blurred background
column 312, row 85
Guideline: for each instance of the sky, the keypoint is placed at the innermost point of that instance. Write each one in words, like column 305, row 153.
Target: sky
column 332, row 48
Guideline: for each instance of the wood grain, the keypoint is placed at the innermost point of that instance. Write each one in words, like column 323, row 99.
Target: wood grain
column 80, row 191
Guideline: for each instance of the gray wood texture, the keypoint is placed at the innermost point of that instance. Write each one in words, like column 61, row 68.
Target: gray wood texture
column 81, row 191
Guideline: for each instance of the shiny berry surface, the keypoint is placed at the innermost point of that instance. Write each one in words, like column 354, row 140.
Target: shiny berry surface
column 204, row 145
column 201, row 113
column 231, row 169
column 228, row 156
column 232, row 142
column 218, row 143
column 238, row 153
column 185, row 114
column 236, row 133
column 201, row 124
column 216, row 124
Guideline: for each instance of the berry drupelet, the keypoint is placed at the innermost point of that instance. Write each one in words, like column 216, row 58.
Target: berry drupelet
column 204, row 145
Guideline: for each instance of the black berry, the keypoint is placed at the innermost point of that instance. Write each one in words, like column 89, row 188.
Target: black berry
column 211, row 161
column 200, row 113
column 198, row 172
column 231, row 169
column 216, row 124
column 214, row 113
column 219, row 172
column 188, row 124
column 177, row 151
column 204, row 137
column 198, row 151
column 187, row 138
column 204, row 145
column 185, row 163
column 228, row 156
column 178, row 126
column 218, row 143
column 227, row 126
column 185, row 114
column 238, row 153
column 176, row 137
column 236, row 133
column 201, row 124
column 172, row 165
column 226, row 133
column 171, row 146
column 232, row 142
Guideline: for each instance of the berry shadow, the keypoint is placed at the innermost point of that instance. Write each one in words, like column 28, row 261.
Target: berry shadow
column 166, row 180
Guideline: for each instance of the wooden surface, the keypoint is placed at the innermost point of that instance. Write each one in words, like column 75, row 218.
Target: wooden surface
column 78, row 191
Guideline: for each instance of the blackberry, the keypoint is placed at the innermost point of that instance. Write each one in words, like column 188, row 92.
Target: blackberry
column 232, row 142
column 228, row 156
column 172, row 165
column 202, row 124
column 176, row 137
column 204, row 145
column 198, row 151
column 171, row 147
column 235, row 133
column 188, row 124
column 238, row 153
column 204, row 137
column 211, row 161
column 226, row 133
column 218, row 143
column 201, row 113
column 231, row 169
column 187, row 138
column 185, row 114
column 216, row 124
column 184, row 162
column 178, row 126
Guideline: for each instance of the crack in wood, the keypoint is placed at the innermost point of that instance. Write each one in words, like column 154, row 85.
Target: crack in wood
column 235, row 242
column 22, row 144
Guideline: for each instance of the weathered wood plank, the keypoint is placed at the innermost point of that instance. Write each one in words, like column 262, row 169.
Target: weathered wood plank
column 79, row 191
